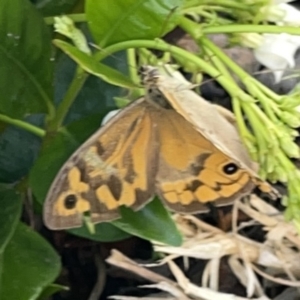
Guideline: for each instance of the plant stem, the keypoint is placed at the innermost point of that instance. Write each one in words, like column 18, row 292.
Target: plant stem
column 23, row 125
column 244, row 131
column 175, row 51
column 219, row 53
column 132, row 66
column 257, row 127
column 62, row 110
column 269, row 107
column 264, row 94
column 236, row 28
column 221, row 3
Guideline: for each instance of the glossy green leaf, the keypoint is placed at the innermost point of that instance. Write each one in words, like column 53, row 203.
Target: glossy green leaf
column 96, row 96
column 123, row 20
column 104, row 232
column 90, row 65
column 54, row 8
column 26, row 67
column 29, row 265
column 10, row 211
column 19, row 149
column 153, row 222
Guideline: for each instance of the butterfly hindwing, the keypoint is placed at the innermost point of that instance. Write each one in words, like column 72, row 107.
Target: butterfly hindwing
column 215, row 124
column 192, row 171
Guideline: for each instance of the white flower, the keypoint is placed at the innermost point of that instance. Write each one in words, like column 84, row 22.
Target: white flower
column 277, row 51
column 291, row 15
column 281, row 13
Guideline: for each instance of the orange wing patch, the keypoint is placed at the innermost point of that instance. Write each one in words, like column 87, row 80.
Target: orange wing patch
column 191, row 170
column 115, row 167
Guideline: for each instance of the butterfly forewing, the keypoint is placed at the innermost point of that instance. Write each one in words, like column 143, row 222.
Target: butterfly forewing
column 114, row 167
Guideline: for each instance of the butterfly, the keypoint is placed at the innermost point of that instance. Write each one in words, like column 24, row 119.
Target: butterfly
column 171, row 143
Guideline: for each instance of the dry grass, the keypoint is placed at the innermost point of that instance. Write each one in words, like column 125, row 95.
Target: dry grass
column 276, row 260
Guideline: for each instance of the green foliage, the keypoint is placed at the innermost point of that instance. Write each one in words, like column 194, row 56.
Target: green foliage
column 50, row 105
column 46, row 89
column 27, row 70
column 130, row 20
column 28, row 264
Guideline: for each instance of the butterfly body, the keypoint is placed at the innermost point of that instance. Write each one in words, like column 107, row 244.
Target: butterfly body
column 155, row 145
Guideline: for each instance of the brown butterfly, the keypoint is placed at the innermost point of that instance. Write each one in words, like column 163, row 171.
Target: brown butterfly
column 171, row 143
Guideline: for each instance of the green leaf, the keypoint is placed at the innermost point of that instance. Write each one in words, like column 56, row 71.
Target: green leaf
column 146, row 223
column 29, row 265
column 96, row 96
column 50, row 290
column 19, row 150
column 90, row 65
column 123, row 20
column 54, row 8
column 104, row 232
column 153, row 222
column 25, row 52
column 10, row 204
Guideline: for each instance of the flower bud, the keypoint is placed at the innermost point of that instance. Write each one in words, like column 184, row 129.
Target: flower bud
column 280, row 173
column 291, row 119
column 65, row 26
column 290, row 101
column 289, row 147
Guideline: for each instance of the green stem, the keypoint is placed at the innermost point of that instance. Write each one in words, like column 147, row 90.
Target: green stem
column 268, row 106
column 269, row 93
column 205, row 12
column 257, row 127
column 218, row 52
column 24, row 125
column 244, row 131
column 175, row 51
column 81, row 76
column 222, row 3
column 217, row 62
column 132, row 66
column 248, row 80
column 266, row 123
column 133, row 73
column 244, row 76
column 285, row 162
column 293, row 188
column 236, row 28
column 63, row 108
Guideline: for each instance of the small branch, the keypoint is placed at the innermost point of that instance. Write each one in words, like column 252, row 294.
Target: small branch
column 23, row 125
